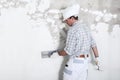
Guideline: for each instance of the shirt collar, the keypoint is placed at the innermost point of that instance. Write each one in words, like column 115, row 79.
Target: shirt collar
column 75, row 23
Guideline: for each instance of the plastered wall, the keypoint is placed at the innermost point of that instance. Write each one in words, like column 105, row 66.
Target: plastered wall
column 28, row 27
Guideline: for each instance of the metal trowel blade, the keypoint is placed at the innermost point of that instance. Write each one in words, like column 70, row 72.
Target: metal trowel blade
column 45, row 54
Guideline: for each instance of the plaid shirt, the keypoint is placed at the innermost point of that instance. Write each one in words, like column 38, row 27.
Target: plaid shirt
column 79, row 40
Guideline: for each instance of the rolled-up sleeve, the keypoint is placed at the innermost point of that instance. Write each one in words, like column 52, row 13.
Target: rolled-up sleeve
column 70, row 43
column 93, row 43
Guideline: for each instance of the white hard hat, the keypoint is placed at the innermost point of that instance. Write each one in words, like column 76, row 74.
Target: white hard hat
column 70, row 11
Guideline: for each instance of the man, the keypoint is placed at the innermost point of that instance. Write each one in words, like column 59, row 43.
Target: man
column 78, row 44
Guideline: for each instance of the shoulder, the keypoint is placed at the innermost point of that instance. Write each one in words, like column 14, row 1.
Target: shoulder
column 84, row 26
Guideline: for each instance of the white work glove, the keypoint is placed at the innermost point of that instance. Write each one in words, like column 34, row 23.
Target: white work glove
column 98, row 64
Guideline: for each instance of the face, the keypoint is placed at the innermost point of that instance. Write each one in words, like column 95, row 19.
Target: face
column 69, row 21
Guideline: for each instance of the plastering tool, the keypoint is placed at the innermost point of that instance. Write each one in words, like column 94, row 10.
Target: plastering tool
column 47, row 54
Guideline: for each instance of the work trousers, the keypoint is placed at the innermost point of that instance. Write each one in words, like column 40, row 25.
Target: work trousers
column 76, row 69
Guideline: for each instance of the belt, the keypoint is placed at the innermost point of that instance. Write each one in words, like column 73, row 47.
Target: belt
column 83, row 56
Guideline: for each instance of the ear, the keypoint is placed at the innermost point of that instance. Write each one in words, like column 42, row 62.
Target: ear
column 72, row 18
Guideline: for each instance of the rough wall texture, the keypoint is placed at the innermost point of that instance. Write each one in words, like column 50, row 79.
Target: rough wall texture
column 28, row 27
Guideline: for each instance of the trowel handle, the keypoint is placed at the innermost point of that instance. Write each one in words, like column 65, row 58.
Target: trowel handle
column 51, row 52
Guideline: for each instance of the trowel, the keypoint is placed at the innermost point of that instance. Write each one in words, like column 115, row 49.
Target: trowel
column 47, row 54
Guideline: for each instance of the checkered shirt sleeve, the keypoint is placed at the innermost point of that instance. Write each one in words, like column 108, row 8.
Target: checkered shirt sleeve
column 70, row 43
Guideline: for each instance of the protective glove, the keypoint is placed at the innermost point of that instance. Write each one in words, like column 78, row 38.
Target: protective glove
column 97, row 60
column 98, row 64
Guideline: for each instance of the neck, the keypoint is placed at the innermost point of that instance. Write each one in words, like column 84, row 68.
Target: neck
column 74, row 21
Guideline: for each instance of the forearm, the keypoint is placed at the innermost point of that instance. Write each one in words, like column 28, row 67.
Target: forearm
column 95, row 51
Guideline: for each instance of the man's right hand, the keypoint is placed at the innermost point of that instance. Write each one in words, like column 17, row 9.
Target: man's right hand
column 62, row 53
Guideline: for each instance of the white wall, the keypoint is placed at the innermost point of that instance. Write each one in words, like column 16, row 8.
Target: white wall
column 28, row 27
